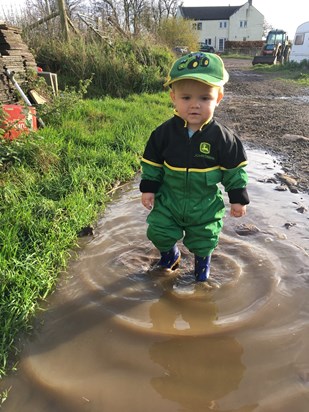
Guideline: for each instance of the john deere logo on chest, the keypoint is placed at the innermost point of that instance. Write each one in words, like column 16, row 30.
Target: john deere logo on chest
column 205, row 148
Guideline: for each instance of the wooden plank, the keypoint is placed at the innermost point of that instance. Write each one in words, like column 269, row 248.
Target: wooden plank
column 4, row 26
column 13, row 45
column 16, row 56
column 16, row 60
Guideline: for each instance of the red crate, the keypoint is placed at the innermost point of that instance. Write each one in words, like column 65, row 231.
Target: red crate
column 18, row 119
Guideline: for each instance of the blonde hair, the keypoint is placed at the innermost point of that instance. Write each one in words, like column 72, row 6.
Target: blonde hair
column 182, row 81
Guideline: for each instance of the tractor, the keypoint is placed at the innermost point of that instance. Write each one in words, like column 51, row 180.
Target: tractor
column 277, row 48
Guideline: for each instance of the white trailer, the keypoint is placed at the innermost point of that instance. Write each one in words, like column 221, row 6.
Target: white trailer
column 300, row 47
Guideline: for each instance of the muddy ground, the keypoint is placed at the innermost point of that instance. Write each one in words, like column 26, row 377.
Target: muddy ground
column 272, row 114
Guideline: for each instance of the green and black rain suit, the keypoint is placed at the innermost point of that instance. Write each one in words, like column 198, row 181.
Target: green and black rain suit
column 184, row 173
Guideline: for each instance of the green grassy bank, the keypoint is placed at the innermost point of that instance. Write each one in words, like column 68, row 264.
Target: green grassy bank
column 54, row 183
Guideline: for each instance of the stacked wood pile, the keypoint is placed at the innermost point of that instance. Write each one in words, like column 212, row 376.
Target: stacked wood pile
column 15, row 56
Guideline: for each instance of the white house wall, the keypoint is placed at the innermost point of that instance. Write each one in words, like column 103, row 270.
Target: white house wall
column 254, row 29
column 211, row 31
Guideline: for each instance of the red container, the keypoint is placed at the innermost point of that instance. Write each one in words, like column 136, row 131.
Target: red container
column 18, row 119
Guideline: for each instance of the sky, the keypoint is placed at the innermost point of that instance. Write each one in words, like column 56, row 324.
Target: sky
column 276, row 12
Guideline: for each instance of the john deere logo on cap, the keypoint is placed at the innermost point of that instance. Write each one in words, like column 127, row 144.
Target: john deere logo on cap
column 207, row 68
column 193, row 62
column 205, row 148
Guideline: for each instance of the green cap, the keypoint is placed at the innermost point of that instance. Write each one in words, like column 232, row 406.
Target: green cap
column 204, row 67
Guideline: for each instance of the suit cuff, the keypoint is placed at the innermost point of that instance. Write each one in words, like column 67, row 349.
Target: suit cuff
column 239, row 196
column 149, row 186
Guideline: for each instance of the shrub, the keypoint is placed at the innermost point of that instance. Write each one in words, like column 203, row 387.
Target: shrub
column 117, row 70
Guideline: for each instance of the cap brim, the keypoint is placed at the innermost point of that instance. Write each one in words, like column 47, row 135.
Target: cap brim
column 210, row 81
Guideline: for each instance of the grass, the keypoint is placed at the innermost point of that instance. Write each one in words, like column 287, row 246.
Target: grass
column 236, row 56
column 291, row 71
column 55, row 182
column 297, row 72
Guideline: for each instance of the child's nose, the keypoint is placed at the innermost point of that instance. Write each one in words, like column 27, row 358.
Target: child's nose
column 195, row 103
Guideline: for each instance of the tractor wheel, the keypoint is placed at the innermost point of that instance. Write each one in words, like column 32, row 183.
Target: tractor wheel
column 280, row 59
column 287, row 55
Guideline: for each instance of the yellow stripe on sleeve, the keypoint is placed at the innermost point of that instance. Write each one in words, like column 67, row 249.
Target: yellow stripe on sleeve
column 240, row 165
column 151, row 163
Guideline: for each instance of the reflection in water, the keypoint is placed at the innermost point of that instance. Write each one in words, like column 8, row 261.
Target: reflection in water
column 118, row 336
column 175, row 313
column 197, row 371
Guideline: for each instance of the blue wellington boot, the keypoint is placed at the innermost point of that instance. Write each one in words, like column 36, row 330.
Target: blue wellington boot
column 202, row 268
column 170, row 259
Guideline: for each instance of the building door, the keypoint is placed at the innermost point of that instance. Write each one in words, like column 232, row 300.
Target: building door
column 221, row 44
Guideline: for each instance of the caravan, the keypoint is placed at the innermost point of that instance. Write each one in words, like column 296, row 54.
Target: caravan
column 300, row 48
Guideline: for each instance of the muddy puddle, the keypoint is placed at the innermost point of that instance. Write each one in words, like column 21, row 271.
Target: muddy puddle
column 295, row 99
column 116, row 337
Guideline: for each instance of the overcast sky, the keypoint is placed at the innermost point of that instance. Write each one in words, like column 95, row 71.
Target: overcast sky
column 280, row 15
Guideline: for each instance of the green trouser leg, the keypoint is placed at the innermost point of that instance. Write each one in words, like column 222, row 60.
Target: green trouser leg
column 200, row 237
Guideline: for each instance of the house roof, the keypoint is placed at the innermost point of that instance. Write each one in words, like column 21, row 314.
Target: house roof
column 208, row 13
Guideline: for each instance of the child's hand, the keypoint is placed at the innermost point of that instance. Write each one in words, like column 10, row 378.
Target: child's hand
column 238, row 210
column 148, row 200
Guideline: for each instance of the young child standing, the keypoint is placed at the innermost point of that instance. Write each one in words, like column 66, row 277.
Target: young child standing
column 184, row 160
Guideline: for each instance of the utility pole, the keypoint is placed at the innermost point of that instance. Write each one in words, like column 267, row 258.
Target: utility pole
column 64, row 19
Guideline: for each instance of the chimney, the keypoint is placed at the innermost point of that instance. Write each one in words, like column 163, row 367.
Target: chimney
column 250, row 3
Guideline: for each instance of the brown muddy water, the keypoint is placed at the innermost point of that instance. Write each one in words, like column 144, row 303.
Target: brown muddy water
column 117, row 337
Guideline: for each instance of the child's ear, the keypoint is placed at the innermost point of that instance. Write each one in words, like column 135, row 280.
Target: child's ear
column 172, row 95
column 220, row 97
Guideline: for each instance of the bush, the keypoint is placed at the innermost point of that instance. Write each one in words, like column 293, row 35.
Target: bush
column 116, row 70
column 178, row 32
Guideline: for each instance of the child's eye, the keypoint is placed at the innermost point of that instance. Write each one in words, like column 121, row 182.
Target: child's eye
column 186, row 97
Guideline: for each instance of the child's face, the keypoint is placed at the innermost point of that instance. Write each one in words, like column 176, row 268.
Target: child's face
column 195, row 102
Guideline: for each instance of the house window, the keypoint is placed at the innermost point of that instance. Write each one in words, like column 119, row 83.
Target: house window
column 243, row 24
column 223, row 24
column 197, row 26
column 208, row 41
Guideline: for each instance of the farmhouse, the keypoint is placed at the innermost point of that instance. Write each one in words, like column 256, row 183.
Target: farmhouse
column 216, row 25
